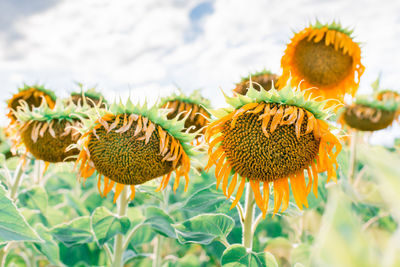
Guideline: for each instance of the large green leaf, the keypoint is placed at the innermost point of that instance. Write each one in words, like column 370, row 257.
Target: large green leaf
column 238, row 256
column 49, row 248
column 13, row 226
column 205, row 228
column 74, row 232
column 160, row 222
column 34, row 198
column 206, row 200
column 106, row 225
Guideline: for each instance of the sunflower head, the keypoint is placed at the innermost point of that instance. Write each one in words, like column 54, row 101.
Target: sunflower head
column 131, row 144
column 47, row 132
column 271, row 137
column 264, row 78
column 388, row 95
column 193, row 107
column 91, row 97
column 369, row 114
column 33, row 95
column 324, row 59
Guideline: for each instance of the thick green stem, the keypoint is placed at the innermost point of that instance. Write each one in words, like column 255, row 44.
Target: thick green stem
column 119, row 238
column 16, row 181
column 248, row 219
column 352, row 163
column 157, row 251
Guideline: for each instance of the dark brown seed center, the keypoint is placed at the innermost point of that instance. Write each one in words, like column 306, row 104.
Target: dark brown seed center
column 365, row 118
column 321, row 64
column 126, row 160
column 255, row 156
column 48, row 148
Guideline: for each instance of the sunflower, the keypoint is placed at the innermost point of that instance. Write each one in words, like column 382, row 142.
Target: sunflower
column 131, row 144
column 369, row 114
column 264, row 78
column 387, row 95
column 324, row 59
column 33, row 96
column 193, row 107
column 46, row 133
column 271, row 137
column 92, row 98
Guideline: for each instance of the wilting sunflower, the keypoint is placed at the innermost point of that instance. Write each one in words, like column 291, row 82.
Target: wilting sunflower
column 324, row 59
column 264, row 78
column 369, row 114
column 193, row 107
column 46, row 133
column 92, row 98
column 272, row 137
column 388, row 95
column 131, row 144
column 33, row 96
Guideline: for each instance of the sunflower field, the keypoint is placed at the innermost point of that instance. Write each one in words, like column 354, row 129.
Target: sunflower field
column 282, row 174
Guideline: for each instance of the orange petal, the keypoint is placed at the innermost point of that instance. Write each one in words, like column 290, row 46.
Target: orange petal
column 239, row 193
column 118, row 190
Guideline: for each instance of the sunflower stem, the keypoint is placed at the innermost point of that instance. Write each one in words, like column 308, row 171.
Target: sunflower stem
column 118, row 243
column 157, row 251
column 352, row 163
column 248, row 219
column 16, row 181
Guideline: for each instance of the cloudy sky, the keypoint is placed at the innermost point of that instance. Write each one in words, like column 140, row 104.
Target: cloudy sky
column 147, row 48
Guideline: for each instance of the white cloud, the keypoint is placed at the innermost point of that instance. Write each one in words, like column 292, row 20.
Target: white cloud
column 143, row 44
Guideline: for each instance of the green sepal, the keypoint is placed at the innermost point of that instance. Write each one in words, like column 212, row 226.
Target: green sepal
column 39, row 88
column 336, row 26
column 369, row 101
column 60, row 111
column 254, row 74
column 158, row 116
column 194, row 98
column 286, row 96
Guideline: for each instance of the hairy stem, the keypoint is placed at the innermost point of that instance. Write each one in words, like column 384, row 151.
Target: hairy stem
column 157, row 251
column 248, row 219
column 16, row 181
column 352, row 163
column 119, row 238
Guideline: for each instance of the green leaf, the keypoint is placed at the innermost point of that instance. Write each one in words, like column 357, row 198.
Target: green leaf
column 74, row 232
column 301, row 254
column 237, row 255
column 270, row 260
column 143, row 235
column 206, row 200
column 106, row 225
column 160, row 222
column 34, row 198
column 13, row 226
column 205, row 228
column 49, row 248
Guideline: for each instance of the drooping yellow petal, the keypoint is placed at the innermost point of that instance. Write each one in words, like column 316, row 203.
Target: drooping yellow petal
column 239, row 193
column 118, row 189
column 132, row 192
column 232, row 185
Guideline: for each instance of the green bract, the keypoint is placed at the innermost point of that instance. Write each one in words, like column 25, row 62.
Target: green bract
column 286, row 96
column 193, row 98
column 158, row 116
column 39, row 88
column 91, row 93
column 336, row 26
column 258, row 73
column 60, row 111
column 369, row 101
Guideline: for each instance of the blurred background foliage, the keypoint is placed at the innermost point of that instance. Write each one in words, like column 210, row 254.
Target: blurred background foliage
column 59, row 221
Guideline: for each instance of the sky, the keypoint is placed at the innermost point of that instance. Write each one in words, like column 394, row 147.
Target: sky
column 146, row 49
